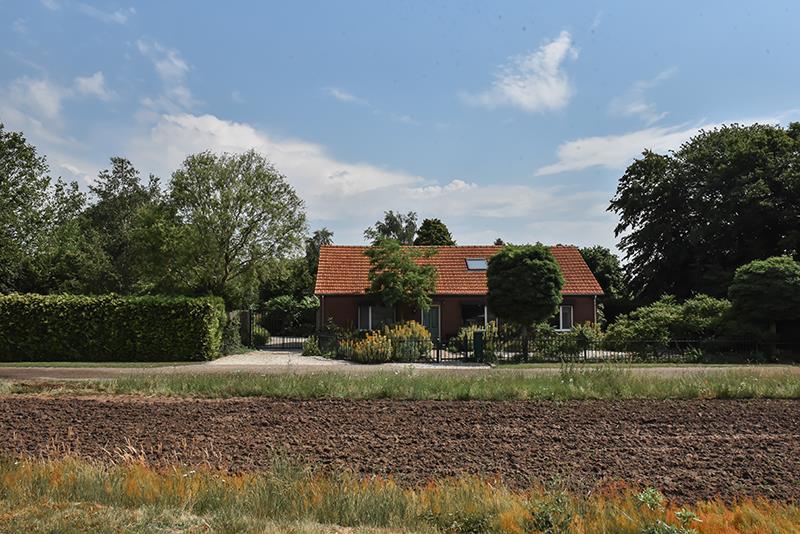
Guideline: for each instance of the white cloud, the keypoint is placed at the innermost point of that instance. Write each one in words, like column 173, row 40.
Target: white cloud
column 94, row 85
column 41, row 97
column 172, row 70
column 532, row 82
column 617, row 151
column 52, row 5
column 430, row 191
column 634, row 103
column 119, row 16
column 344, row 96
column 20, row 26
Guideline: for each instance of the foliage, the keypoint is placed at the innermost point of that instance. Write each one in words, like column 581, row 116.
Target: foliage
column 397, row 277
column 114, row 218
column 397, row 226
column 376, row 347
column 318, row 239
column 232, row 335
column 699, row 318
column 524, row 284
column 109, row 327
column 410, row 341
column 764, row 292
column 726, row 197
column 237, row 212
column 433, row 232
column 606, row 268
column 311, row 347
column 288, row 313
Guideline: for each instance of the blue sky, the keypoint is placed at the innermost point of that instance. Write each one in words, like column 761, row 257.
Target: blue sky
column 504, row 119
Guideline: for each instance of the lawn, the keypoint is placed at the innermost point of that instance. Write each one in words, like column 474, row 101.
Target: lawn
column 570, row 382
column 68, row 494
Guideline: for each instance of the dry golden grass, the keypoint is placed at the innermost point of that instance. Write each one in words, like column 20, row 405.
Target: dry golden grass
column 69, row 495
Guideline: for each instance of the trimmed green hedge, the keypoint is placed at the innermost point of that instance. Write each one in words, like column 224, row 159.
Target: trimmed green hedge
column 110, row 328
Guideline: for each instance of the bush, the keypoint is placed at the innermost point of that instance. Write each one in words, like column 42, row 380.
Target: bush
column 261, row 336
column 232, row 335
column 410, row 341
column 374, row 348
column 110, row 328
column 311, row 347
column 289, row 314
column 652, row 328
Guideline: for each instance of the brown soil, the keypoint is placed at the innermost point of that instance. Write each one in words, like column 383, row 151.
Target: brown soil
column 694, row 449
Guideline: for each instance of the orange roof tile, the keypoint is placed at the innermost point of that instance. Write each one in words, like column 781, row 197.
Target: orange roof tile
column 344, row 270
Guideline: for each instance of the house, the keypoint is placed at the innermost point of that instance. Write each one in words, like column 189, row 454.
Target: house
column 460, row 299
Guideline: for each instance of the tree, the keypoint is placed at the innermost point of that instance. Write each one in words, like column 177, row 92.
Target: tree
column 237, row 212
column 397, row 226
column 120, row 196
column 433, row 232
column 525, row 284
column 397, row 277
column 499, row 242
column 23, row 190
column 605, row 267
column 314, row 243
column 726, row 197
column 766, row 292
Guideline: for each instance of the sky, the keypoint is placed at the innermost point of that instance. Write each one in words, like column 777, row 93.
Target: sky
column 503, row 119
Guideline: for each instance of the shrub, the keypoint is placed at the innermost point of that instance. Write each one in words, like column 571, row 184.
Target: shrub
column 110, row 327
column 261, row 336
column 374, row 348
column 410, row 341
column 311, row 347
column 289, row 314
column 232, row 335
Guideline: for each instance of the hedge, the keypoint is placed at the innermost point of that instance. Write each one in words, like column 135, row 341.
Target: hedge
column 110, row 328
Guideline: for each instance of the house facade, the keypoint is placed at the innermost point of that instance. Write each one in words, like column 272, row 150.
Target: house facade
column 342, row 286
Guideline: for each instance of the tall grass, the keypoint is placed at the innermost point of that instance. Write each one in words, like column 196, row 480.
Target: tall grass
column 58, row 495
column 572, row 382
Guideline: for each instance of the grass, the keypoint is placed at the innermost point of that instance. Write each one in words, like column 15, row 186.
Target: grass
column 67, row 495
column 572, row 382
column 95, row 364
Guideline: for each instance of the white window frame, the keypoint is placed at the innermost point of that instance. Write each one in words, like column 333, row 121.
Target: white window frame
column 561, row 318
column 484, row 260
column 369, row 315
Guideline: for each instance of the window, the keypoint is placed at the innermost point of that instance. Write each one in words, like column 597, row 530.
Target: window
column 473, row 314
column 372, row 317
column 476, row 264
column 565, row 318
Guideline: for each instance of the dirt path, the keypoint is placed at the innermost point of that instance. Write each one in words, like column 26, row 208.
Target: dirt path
column 689, row 449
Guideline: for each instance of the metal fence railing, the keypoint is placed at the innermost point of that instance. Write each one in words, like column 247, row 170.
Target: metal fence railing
column 555, row 348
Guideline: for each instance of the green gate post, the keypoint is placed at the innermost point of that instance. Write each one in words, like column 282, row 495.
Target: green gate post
column 477, row 341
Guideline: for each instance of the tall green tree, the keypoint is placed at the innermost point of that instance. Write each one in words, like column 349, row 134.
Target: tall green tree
column 397, row 226
column 524, row 284
column 237, row 212
column 726, row 197
column 23, row 190
column 397, row 276
column 433, row 232
column 606, row 268
column 767, row 292
column 318, row 239
column 119, row 197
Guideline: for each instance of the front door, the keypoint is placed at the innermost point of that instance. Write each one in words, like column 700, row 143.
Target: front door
column 431, row 319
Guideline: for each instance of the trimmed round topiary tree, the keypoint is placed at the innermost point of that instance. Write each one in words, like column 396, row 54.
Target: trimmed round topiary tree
column 766, row 291
column 525, row 285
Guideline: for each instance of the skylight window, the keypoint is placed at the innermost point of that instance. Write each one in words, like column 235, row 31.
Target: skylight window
column 476, row 264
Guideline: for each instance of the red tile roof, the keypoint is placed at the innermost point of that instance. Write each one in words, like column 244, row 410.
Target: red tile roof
column 344, row 270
